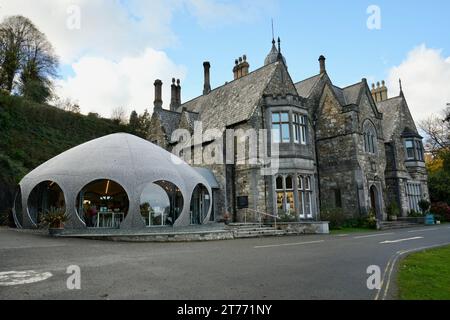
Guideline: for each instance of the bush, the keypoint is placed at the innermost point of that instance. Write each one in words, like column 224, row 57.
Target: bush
column 424, row 206
column 415, row 214
column 441, row 210
column 6, row 219
column 393, row 210
column 335, row 216
column 285, row 217
column 54, row 218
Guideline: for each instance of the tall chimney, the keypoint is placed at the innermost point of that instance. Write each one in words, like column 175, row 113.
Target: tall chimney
column 174, row 96
column 178, row 93
column 245, row 66
column 323, row 68
column 158, row 94
column 235, row 69
column 207, row 86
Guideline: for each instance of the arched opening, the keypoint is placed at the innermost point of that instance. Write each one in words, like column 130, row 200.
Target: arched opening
column 45, row 197
column 103, row 204
column 161, row 204
column 375, row 202
column 200, row 204
column 18, row 210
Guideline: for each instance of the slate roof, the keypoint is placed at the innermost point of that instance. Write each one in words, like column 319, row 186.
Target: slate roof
column 305, row 87
column 233, row 102
column 391, row 110
column 169, row 120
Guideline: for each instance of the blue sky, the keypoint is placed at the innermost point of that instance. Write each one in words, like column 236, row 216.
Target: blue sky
column 308, row 29
column 122, row 46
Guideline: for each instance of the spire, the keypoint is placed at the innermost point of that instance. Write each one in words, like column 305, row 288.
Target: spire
column 401, row 86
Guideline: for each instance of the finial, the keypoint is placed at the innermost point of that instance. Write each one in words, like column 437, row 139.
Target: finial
column 236, row 62
column 401, row 86
column 279, row 45
column 245, row 57
column 173, row 80
column 178, row 81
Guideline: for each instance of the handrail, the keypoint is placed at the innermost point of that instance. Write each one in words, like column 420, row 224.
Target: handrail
column 260, row 215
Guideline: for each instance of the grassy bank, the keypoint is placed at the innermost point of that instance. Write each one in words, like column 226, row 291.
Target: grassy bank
column 425, row 275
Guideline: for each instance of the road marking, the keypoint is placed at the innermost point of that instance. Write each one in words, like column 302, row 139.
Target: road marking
column 289, row 244
column 423, row 230
column 343, row 235
column 14, row 278
column 400, row 240
column 374, row 235
column 391, row 264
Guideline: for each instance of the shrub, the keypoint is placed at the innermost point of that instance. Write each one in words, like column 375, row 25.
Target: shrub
column 335, row 216
column 441, row 211
column 54, row 217
column 415, row 214
column 424, row 206
column 286, row 217
column 393, row 210
column 6, row 219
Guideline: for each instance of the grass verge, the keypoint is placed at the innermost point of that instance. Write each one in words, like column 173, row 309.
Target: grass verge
column 425, row 275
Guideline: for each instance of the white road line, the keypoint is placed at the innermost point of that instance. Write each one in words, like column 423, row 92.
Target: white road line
column 343, row 235
column 423, row 230
column 15, row 278
column 400, row 240
column 374, row 235
column 289, row 244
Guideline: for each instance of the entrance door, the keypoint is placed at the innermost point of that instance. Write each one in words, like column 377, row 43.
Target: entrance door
column 374, row 202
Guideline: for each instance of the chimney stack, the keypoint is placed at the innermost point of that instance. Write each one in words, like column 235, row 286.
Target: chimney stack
column 323, row 68
column 241, row 68
column 158, row 94
column 207, row 86
column 178, row 93
column 379, row 92
column 174, row 96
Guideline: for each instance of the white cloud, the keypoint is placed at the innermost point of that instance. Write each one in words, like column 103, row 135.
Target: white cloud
column 425, row 76
column 100, row 85
column 108, row 28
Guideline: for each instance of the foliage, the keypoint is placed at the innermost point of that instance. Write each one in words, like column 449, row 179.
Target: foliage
column 335, row 216
column 441, row 210
column 26, row 55
column 439, row 179
column 424, row 205
column 286, row 217
column 393, row 210
column 54, row 217
column 415, row 214
column 6, row 218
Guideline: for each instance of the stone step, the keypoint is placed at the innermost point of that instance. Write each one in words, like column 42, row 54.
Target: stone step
column 259, row 233
column 398, row 225
column 239, row 225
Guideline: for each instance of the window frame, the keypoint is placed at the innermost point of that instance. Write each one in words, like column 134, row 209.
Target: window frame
column 280, row 126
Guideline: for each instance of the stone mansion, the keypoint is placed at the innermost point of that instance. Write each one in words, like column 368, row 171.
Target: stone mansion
column 352, row 148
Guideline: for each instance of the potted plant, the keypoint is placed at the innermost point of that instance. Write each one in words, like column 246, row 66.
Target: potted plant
column 393, row 211
column 55, row 219
column 425, row 206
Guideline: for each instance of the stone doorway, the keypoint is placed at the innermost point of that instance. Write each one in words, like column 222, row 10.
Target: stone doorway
column 375, row 202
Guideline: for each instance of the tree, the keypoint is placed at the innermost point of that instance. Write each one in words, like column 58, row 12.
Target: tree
column 119, row 115
column 67, row 105
column 27, row 56
column 134, row 121
column 437, row 132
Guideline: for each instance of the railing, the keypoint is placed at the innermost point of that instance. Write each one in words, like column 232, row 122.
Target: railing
column 259, row 216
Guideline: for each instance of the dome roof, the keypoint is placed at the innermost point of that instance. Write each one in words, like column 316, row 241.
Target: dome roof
column 125, row 159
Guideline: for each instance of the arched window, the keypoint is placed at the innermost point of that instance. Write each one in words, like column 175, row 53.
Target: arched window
column 103, row 204
column 45, row 197
column 280, row 194
column 370, row 137
column 290, row 202
column 305, row 197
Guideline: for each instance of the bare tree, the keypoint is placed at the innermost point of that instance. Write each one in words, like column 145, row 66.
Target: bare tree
column 437, row 131
column 67, row 104
column 119, row 115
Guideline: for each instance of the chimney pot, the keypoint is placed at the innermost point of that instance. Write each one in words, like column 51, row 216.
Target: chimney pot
column 174, row 96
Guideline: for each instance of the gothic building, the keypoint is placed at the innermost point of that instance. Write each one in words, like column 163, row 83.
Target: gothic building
column 351, row 148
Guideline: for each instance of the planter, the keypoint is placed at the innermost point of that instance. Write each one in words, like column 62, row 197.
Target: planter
column 55, row 231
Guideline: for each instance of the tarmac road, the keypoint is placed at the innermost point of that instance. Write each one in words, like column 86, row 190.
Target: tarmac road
column 286, row 268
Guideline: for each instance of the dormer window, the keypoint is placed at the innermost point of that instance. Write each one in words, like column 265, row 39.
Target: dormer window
column 410, row 154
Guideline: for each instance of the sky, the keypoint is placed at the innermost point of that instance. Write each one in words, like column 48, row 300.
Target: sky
column 111, row 51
